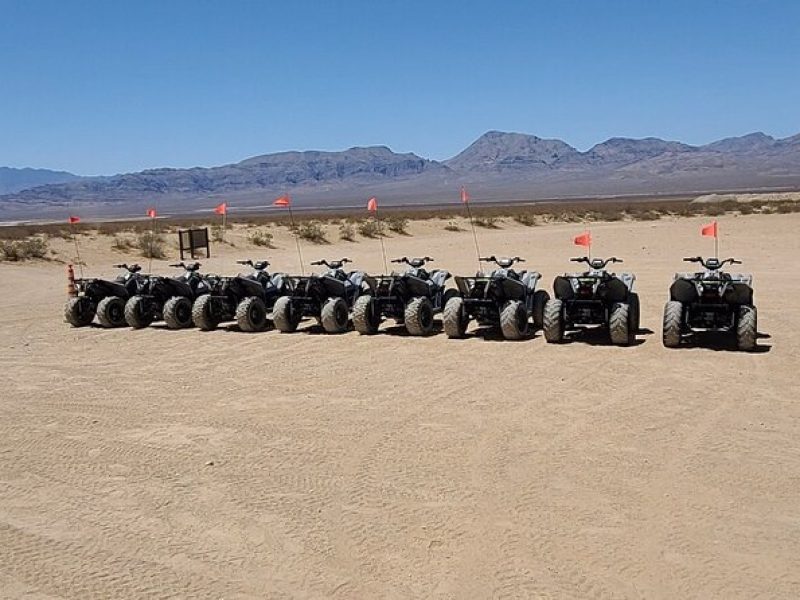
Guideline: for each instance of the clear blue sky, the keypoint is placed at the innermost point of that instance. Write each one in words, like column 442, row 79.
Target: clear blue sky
column 100, row 87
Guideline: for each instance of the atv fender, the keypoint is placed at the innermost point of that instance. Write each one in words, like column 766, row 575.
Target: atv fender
column 513, row 289
column 628, row 279
column 563, row 288
column 530, row 279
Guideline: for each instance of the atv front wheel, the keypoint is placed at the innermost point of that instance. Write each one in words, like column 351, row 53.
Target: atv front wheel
column 137, row 312
column 514, row 320
column 419, row 316
column 178, row 312
column 671, row 330
column 364, row 318
column 747, row 328
column 251, row 314
column 79, row 311
column 540, row 298
column 454, row 318
column 334, row 315
column 552, row 323
column 111, row 312
column 619, row 324
column 284, row 315
column 203, row 315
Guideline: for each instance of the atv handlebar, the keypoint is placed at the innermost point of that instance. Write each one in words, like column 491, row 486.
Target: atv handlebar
column 183, row 265
column 596, row 263
column 258, row 265
column 134, row 268
column 498, row 261
column 410, row 261
column 712, row 263
column 334, row 264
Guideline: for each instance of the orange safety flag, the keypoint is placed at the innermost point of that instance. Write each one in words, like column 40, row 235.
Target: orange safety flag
column 151, row 212
column 222, row 209
column 372, row 204
column 464, row 195
column 710, row 230
column 584, row 239
column 282, row 201
column 74, row 219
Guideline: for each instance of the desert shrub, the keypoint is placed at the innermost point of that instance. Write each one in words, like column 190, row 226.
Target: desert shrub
column 525, row 219
column 17, row 250
column 151, row 245
column 785, row 208
column 487, row 222
column 347, row 232
column 713, row 210
column 122, row 243
column 569, row 217
column 611, row 216
column 746, row 208
column 452, row 226
column 311, row 232
column 261, row 238
column 398, row 225
column 370, row 228
column 645, row 215
column 217, row 233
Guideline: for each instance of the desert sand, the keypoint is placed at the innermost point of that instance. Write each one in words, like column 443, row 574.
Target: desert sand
column 182, row 464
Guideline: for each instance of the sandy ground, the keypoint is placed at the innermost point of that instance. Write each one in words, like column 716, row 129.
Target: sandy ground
column 178, row 464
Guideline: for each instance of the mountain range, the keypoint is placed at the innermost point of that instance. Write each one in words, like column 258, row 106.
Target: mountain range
column 497, row 166
column 16, row 180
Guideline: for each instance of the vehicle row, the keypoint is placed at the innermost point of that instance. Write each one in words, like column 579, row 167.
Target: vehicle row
column 504, row 297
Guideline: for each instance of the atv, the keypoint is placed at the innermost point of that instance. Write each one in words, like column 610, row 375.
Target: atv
column 711, row 301
column 104, row 298
column 245, row 298
column 328, row 297
column 412, row 297
column 504, row 297
column 593, row 298
column 169, row 298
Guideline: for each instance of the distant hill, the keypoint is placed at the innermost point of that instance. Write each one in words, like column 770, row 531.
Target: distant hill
column 497, row 166
column 15, row 180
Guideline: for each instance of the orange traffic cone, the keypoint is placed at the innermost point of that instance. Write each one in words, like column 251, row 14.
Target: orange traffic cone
column 71, row 291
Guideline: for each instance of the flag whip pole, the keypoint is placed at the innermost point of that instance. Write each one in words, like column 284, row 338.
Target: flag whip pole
column 296, row 239
column 77, row 250
column 474, row 234
column 380, row 237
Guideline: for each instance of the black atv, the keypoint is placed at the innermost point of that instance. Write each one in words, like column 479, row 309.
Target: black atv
column 104, row 298
column 711, row 301
column 504, row 297
column 169, row 298
column 593, row 298
column 412, row 297
column 245, row 298
column 328, row 297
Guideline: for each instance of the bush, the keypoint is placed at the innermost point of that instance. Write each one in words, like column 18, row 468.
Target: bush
column 646, row 215
column 122, row 243
column 370, row 229
column 746, row 208
column 487, row 222
column 347, row 232
column 452, row 226
column 35, row 247
column 611, row 216
column 311, row 232
column 151, row 245
column 713, row 210
column 261, row 238
column 785, row 208
column 398, row 225
column 525, row 219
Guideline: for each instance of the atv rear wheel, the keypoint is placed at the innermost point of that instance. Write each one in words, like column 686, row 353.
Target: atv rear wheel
column 540, row 298
column 251, row 314
column 633, row 313
column 514, row 320
column 202, row 314
column 747, row 328
column 335, row 315
column 619, row 324
column 552, row 322
column 671, row 329
column 79, row 311
column 178, row 312
column 284, row 315
column 454, row 318
column 137, row 312
column 364, row 318
column 111, row 312
column 419, row 316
